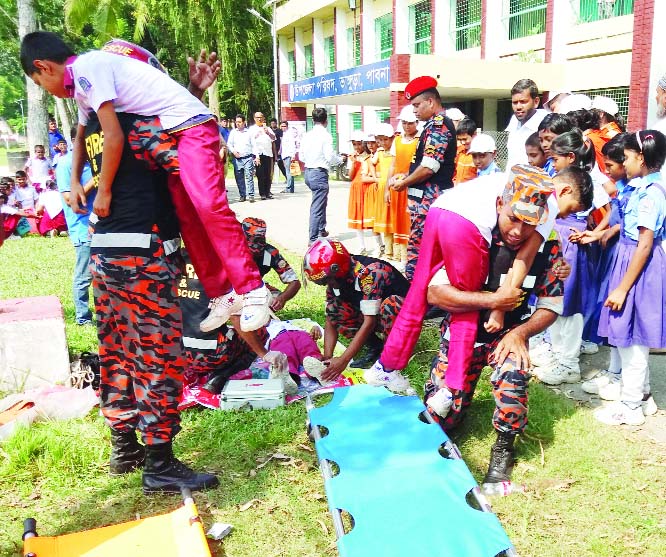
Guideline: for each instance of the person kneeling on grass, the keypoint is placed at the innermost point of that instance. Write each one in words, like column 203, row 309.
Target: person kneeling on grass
column 363, row 295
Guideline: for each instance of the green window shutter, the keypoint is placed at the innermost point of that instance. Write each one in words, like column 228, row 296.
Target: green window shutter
column 291, row 57
column 333, row 128
column 383, row 115
column 354, row 45
column 526, row 17
column 329, row 49
column 468, row 24
column 309, row 62
column 356, row 121
column 384, row 36
column 596, row 10
column 420, row 21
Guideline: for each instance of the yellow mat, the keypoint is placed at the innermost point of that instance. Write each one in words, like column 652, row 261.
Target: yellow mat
column 176, row 534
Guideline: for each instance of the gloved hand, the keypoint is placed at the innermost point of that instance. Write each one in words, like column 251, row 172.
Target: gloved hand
column 277, row 360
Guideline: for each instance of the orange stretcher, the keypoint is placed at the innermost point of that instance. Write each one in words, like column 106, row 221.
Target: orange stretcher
column 179, row 533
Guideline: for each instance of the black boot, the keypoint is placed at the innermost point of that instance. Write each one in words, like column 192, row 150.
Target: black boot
column 164, row 472
column 501, row 459
column 373, row 349
column 127, row 454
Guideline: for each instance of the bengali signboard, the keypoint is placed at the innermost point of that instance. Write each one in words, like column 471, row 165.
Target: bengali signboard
column 345, row 82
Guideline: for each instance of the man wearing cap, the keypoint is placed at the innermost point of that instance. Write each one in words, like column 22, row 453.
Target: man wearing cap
column 505, row 351
column 525, row 120
column 431, row 171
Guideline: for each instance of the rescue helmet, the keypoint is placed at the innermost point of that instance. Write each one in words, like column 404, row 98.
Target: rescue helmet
column 326, row 259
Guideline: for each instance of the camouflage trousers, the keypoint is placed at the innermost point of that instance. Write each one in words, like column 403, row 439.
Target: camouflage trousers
column 139, row 328
column 509, row 388
column 348, row 320
column 418, row 211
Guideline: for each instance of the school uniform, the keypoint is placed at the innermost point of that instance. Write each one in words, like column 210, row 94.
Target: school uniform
column 465, row 168
column 404, row 152
column 358, row 166
column 382, row 223
column 641, row 323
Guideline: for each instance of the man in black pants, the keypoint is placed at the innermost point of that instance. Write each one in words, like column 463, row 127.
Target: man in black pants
column 262, row 148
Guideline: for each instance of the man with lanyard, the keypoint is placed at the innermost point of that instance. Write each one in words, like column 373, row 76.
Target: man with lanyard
column 431, row 171
column 506, row 351
column 525, row 120
column 240, row 146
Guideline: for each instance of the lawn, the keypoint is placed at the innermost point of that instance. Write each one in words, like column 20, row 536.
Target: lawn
column 591, row 490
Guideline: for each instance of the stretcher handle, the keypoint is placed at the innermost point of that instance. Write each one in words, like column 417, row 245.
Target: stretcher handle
column 29, row 528
column 186, row 493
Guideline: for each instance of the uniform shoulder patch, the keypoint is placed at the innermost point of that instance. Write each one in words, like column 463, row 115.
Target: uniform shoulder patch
column 85, row 84
column 367, row 284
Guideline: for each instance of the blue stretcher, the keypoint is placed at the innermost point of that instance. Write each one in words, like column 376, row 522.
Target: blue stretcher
column 405, row 498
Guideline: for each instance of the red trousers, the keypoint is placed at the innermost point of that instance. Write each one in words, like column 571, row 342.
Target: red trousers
column 212, row 234
column 452, row 242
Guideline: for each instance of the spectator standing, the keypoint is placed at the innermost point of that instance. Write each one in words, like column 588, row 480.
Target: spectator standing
column 54, row 136
column 287, row 153
column 318, row 156
column 38, row 168
column 240, row 146
column 24, row 196
column 525, row 120
column 262, row 147
column 77, row 225
column 224, row 128
column 277, row 144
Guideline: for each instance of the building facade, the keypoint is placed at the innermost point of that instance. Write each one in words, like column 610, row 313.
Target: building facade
column 355, row 57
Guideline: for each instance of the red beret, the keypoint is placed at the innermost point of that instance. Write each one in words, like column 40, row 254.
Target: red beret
column 419, row 84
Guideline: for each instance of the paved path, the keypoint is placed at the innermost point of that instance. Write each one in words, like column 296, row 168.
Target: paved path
column 287, row 218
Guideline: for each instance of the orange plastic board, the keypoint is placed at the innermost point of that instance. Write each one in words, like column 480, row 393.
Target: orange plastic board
column 167, row 535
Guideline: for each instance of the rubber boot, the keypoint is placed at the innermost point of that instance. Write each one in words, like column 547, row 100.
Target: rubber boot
column 373, row 349
column 127, row 454
column 163, row 472
column 501, row 459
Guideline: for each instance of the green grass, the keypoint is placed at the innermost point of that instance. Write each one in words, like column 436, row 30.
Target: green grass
column 591, row 490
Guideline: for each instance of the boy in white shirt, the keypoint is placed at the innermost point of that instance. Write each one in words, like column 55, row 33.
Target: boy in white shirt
column 38, row 168
column 125, row 78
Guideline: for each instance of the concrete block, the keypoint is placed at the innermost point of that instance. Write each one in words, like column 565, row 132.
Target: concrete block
column 33, row 346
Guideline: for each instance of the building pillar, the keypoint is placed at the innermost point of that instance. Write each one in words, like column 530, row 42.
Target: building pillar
column 560, row 16
column 368, row 33
column 283, row 60
column 443, row 24
column 400, row 77
column 400, row 27
column 645, row 45
column 299, row 53
column 341, row 46
column 493, row 33
column 318, row 54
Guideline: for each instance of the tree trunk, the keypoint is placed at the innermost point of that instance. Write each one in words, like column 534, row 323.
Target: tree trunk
column 37, row 129
column 213, row 99
column 65, row 122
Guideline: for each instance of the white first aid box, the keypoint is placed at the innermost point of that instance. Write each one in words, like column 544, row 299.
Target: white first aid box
column 252, row 394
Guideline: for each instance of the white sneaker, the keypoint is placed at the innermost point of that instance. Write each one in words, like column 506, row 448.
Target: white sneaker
column 440, row 403
column 393, row 380
column 649, row 406
column 611, row 391
column 256, row 310
column 542, row 355
column 587, row 347
column 619, row 413
column 558, row 374
column 603, row 378
column 290, row 386
column 221, row 308
column 313, row 367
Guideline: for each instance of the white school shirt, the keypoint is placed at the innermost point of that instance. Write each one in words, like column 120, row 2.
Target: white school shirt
column 518, row 135
column 51, row 200
column 240, row 142
column 27, row 195
column 133, row 86
column 476, row 201
column 317, row 149
column 289, row 145
column 39, row 170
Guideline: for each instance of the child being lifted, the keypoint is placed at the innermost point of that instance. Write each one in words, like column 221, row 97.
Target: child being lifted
column 105, row 82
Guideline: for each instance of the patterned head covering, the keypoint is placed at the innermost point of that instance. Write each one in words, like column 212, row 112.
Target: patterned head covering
column 255, row 233
column 527, row 193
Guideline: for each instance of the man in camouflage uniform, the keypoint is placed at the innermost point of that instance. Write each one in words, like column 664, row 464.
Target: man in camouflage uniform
column 505, row 352
column 133, row 263
column 432, row 168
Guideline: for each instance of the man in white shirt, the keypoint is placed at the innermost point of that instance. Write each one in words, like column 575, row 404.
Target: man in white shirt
column 240, row 146
column 525, row 120
column 660, row 124
column 288, row 150
column 318, row 156
column 262, row 147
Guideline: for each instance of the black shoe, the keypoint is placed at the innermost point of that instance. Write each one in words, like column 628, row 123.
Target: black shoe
column 367, row 361
column 251, row 199
column 263, row 197
column 127, row 454
column 269, row 196
column 324, row 233
column 163, row 472
column 501, row 459
column 242, row 199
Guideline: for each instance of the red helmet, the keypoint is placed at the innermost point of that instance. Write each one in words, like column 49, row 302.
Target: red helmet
column 326, row 259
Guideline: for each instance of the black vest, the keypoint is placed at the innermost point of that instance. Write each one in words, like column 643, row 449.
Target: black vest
column 501, row 260
column 444, row 176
